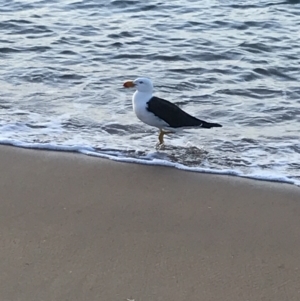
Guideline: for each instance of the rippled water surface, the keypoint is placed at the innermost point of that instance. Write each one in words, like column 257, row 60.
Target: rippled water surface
column 233, row 62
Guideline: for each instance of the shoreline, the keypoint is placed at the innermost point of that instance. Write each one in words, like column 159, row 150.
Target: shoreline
column 90, row 153
column 76, row 227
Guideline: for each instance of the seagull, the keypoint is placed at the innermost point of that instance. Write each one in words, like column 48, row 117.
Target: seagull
column 161, row 113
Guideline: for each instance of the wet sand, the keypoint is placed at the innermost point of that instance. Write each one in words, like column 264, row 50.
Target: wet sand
column 74, row 227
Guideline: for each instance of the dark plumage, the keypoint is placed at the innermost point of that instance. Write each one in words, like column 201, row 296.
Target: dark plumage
column 175, row 116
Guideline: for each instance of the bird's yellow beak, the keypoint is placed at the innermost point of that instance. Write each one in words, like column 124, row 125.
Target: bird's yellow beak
column 129, row 84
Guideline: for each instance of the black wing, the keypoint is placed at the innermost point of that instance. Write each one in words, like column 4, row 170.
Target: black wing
column 174, row 116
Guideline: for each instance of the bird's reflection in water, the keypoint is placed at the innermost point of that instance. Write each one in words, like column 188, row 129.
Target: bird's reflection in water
column 188, row 155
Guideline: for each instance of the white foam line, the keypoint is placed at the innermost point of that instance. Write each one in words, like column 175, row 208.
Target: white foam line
column 90, row 151
column 46, row 146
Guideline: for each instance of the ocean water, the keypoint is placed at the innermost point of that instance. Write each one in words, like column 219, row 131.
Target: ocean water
column 63, row 63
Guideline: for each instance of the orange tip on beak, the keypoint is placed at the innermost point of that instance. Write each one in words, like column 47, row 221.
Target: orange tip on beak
column 129, row 84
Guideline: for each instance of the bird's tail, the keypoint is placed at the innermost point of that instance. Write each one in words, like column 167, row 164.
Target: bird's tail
column 208, row 125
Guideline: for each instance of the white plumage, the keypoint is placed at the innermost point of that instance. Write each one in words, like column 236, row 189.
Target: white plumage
column 139, row 104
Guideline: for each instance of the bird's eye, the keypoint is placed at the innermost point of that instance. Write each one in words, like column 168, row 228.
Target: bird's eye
column 141, row 82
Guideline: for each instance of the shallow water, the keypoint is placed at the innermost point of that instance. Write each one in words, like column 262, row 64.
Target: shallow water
column 63, row 64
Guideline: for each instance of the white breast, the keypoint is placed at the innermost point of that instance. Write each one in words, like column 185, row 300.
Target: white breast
column 139, row 103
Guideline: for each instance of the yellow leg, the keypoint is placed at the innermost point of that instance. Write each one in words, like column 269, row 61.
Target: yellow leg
column 161, row 136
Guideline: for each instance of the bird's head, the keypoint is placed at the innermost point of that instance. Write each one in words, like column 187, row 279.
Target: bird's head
column 142, row 84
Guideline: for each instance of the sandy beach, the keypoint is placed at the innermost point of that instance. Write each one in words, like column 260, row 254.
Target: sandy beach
column 74, row 227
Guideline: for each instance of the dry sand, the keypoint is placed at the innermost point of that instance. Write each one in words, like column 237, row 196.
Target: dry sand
column 80, row 228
